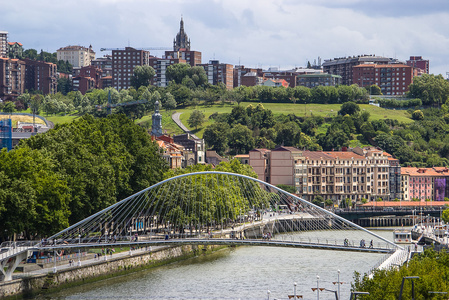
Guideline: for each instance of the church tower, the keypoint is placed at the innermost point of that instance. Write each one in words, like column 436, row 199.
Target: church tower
column 181, row 41
column 156, row 128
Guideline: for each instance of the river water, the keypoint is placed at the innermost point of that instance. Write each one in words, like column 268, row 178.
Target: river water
column 239, row 273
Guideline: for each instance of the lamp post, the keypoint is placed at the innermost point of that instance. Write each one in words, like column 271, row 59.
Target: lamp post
column 54, row 268
column 294, row 290
column 413, row 286
column 317, row 287
column 338, row 283
column 268, row 294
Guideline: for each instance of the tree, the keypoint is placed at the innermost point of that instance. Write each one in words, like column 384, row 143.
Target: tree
column 287, row 188
column 445, row 215
column 196, row 119
column 216, row 136
column 417, row 115
column 170, row 102
column 349, row 108
column 240, row 139
column 177, row 72
column 328, row 202
column 318, row 200
column 142, row 76
column 9, row 107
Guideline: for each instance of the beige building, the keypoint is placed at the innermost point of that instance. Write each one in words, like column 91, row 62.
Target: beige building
column 77, row 56
column 337, row 175
column 259, row 159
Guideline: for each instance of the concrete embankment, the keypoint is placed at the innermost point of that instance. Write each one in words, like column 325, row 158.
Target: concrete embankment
column 101, row 269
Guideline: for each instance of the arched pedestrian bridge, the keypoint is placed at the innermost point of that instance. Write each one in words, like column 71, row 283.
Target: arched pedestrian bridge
column 208, row 208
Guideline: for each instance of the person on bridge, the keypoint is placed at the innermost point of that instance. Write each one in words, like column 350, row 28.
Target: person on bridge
column 371, row 244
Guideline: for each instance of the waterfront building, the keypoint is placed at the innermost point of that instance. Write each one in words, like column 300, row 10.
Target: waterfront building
column 343, row 66
column 123, row 64
column 3, row 43
column 393, row 79
column 355, row 174
column 77, row 56
column 418, row 183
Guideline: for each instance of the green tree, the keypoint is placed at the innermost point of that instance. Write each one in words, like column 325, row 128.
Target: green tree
column 445, row 215
column 287, row 188
column 417, row 115
column 216, row 137
column 318, row 200
column 240, row 139
column 9, row 107
column 142, row 76
column 328, row 203
column 349, row 108
column 196, row 119
column 170, row 102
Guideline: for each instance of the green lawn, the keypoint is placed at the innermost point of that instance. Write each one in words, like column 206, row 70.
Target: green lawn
column 323, row 110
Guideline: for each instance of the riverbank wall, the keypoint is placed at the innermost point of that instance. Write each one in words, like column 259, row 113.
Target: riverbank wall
column 51, row 282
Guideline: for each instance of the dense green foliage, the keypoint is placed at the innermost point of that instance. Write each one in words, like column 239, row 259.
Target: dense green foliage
column 60, row 177
column 431, row 89
column 431, row 267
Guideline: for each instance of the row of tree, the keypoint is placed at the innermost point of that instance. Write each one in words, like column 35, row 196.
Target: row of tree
column 60, row 177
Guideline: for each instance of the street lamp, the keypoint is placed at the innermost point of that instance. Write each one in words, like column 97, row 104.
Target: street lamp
column 294, row 290
column 268, row 294
column 413, row 286
column 338, row 282
column 317, row 287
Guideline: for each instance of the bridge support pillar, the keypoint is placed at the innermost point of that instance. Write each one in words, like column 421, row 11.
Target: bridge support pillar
column 9, row 266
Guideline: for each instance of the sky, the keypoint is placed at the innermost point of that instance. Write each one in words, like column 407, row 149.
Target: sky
column 254, row 33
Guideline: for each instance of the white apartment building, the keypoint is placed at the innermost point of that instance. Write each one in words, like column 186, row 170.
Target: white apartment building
column 77, row 56
column 3, row 43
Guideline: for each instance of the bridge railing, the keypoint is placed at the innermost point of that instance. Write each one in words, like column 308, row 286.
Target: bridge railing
column 8, row 249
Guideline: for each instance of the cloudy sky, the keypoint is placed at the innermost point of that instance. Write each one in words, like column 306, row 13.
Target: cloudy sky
column 254, row 33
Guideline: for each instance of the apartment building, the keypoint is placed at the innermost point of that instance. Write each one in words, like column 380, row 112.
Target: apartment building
column 336, row 175
column 40, row 76
column 15, row 49
column 104, row 64
column 160, row 66
column 318, row 79
column 77, row 56
column 424, row 184
column 343, row 66
column 239, row 73
column 217, row 72
column 3, row 43
column 393, row 79
column 12, row 78
column 123, row 64
column 419, row 63
column 259, row 159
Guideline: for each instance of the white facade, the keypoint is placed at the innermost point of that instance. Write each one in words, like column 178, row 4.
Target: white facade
column 3, row 43
column 77, row 56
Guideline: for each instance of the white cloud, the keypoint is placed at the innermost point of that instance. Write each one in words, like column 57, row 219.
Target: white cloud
column 264, row 33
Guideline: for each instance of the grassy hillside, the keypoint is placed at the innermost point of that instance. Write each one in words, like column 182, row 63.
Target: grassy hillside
column 324, row 110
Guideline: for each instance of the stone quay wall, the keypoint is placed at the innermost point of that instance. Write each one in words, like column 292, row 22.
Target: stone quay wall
column 36, row 284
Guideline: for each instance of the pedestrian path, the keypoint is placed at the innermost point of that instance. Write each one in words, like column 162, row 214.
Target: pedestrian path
column 177, row 120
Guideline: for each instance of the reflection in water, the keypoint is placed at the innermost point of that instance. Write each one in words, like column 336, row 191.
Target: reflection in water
column 241, row 273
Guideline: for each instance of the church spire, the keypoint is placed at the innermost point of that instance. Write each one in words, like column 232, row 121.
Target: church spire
column 181, row 41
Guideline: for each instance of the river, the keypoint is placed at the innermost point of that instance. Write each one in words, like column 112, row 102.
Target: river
column 239, row 273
